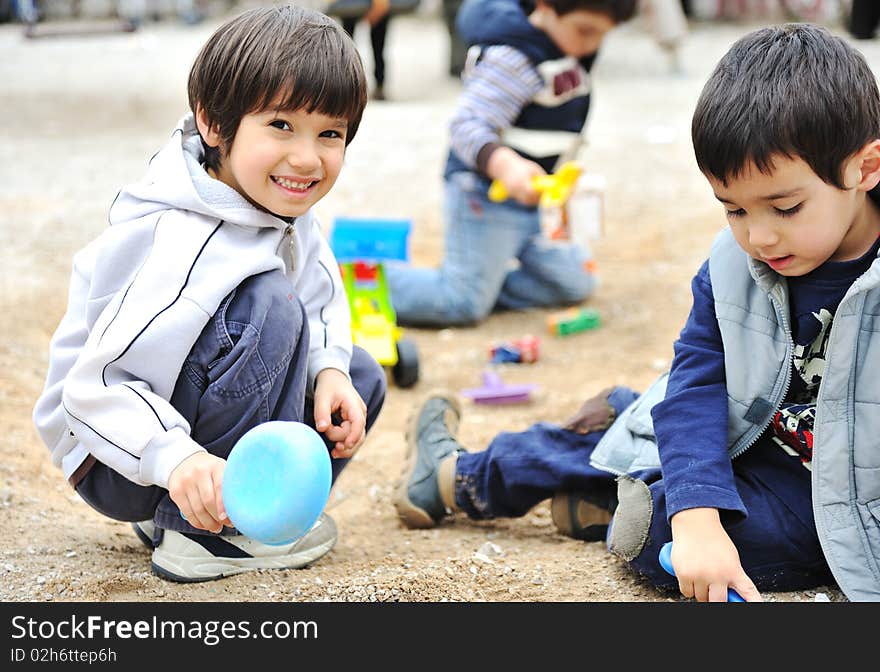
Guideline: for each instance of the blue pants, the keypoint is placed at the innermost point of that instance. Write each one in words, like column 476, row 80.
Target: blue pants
column 247, row 367
column 482, row 240
column 776, row 540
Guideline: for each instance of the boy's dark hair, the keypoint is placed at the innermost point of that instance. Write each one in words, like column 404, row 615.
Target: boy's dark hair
column 298, row 54
column 794, row 90
column 618, row 10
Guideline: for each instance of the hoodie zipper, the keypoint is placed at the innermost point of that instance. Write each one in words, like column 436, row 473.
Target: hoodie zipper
column 783, row 318
column 286, row 245
column 850, row 293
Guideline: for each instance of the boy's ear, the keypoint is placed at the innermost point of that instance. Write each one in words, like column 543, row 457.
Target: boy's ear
column 863, row 169
column 210, row 132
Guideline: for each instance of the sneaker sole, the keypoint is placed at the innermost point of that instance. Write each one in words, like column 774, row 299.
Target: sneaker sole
column 413, row 516
column 185, row 569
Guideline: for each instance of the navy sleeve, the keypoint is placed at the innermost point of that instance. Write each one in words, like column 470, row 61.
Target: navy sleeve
column 691, row 421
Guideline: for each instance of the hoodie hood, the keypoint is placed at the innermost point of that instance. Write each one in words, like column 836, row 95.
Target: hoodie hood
column 488, row 22
column 176, row 180
column 503, row 22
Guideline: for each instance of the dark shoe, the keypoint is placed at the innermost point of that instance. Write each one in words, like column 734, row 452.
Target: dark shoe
column 379, row 93
column 429, row 440
column 582, row 516
column 594, row 415
column 188, row 558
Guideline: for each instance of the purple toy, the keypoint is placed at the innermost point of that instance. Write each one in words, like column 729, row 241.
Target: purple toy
column 494, row 391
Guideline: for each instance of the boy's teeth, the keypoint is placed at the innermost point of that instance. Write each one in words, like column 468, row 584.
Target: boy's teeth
column 290, row 184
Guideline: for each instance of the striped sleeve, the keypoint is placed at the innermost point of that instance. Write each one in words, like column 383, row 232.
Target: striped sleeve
column 495, row 91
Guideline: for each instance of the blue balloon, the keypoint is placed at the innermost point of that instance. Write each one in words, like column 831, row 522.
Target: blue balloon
column 277, row 481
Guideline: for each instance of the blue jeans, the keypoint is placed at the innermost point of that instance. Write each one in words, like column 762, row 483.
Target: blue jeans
column 777, row 541
column 483, row 240
column 248, row 366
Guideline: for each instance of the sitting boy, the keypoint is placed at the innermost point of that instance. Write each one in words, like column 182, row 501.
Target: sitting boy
column 212, row 303
column 766, row 424
column 525, row 102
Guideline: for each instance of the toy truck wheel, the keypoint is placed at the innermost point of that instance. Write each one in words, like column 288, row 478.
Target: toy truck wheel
column 406, row 371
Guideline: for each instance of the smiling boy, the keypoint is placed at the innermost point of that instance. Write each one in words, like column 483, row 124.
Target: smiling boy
column 524, row 105
column 213, row 303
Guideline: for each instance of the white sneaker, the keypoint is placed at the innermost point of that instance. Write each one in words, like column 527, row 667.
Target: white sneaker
column 200, row 557
column 145, row 531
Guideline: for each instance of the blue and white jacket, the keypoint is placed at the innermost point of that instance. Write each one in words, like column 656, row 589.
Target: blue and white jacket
column 178, row 242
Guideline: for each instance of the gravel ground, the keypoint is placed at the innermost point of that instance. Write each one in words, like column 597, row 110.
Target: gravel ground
column 80, row 117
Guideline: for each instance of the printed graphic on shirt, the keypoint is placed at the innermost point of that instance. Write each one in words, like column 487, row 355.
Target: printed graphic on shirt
column 564, row 79
column 794, row 421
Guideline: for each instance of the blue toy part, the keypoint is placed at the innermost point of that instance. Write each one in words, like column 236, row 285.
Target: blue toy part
column 365, row 239
column 277, row 481
column 666, row 563
column 505, row 354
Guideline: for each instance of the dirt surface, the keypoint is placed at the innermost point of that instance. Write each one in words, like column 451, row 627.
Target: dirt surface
column 81, row 116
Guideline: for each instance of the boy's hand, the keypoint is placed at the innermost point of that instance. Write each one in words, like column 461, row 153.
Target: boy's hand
column 334, row 393
column 705, row 560
column 196, row 486
column 516, row 173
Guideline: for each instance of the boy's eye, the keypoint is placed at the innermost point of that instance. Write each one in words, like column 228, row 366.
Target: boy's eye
column 735, row 213
column 331, row 134
column 789, row 212
column 280, row 124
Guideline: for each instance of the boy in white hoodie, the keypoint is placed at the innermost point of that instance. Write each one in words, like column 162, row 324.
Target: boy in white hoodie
column 212, row 302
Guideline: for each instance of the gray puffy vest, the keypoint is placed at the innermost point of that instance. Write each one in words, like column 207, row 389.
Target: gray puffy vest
column 751, row 304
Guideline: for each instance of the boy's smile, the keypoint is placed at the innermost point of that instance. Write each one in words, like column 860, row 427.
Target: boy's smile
column 282, row 161
column 793, row 221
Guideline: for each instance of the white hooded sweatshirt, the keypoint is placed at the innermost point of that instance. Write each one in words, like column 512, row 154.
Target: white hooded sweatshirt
column 178, row 242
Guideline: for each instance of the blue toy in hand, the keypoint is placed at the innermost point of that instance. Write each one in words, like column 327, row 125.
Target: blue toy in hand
column 277, row 481
column 666, row 563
